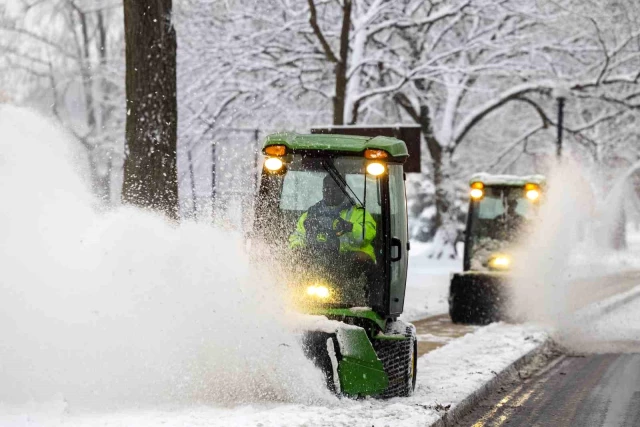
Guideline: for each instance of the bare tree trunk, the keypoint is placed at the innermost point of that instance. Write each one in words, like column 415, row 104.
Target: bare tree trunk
column 103, row 183
column 443, row 228
column 150, row 172
column 341, row 66
column 435, row 152
column 83, row 47
column 340, row 60
column 86, row 71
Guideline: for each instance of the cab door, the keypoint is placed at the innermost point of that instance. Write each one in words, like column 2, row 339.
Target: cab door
column 399, row 239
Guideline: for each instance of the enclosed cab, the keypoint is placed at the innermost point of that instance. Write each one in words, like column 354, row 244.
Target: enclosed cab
column 502, row 211
column 331, row 214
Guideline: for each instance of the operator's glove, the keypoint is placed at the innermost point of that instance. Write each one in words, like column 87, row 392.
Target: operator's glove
column 343, row 226
column 318, row 224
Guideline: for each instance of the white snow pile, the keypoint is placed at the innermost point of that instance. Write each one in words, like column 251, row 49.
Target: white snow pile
column 124, row 309
column 445, row 377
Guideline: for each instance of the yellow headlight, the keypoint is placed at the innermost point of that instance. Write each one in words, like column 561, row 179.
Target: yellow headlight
column 318, row 291
column 273, row 164
column 532, row 191
column 533, row 195
column 476, row 193
column 500, row 262
column 375, row 168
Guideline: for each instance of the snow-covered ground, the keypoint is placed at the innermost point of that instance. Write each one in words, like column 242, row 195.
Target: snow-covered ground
column 428, row 283
column 619, row 325
column 445, row 377
column 612, row 325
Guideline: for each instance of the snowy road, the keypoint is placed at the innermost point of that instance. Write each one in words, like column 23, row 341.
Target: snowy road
column 596, row 384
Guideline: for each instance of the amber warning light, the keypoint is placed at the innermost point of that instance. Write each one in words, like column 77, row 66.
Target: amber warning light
column 375, row 154
column 275, row 150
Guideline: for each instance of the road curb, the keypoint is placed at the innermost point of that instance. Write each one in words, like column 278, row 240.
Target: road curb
column 455, row 413
column 608, row 305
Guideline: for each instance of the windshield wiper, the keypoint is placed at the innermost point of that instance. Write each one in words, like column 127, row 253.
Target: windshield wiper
column 342, row 183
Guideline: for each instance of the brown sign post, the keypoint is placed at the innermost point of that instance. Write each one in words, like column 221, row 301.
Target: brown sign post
column 409, row 134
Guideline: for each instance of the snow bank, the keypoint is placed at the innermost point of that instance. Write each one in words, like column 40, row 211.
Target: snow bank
column 123, row 309
column 453, row 372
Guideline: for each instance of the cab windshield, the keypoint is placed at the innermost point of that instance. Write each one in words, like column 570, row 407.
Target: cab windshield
column 328, row 211
column 498, row 222
column 303, row 183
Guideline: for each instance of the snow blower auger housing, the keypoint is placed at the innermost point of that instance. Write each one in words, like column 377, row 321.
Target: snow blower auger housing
column 502, row 209
column 331, row 209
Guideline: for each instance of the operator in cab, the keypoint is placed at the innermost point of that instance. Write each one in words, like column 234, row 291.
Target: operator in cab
column 334, row 226
column 512, row 224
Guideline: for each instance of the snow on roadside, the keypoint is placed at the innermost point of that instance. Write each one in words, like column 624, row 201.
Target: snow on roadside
column 445, row 376
column 611, row 325
column 454, row 371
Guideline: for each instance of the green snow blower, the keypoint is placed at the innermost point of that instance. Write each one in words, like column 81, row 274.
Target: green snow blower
column 331, row 209
column 502, row 209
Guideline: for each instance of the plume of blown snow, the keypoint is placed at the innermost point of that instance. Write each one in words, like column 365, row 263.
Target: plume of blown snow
column 542, row 280
column 565, row 260
column 125, row 308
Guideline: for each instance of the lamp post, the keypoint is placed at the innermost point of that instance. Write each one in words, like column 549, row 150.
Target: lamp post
column 560, row 126
column 561, row 94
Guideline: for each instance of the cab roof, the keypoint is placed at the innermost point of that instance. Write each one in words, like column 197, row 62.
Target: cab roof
column 345, row 143
column 507, row 180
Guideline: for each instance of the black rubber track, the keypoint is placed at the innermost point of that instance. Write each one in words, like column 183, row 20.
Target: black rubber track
column 395, row 356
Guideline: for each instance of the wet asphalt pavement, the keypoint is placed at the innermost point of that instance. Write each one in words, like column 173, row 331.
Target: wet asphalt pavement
column 581, row 391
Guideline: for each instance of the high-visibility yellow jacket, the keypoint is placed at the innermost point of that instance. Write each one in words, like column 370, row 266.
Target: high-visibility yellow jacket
column 351, row 241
